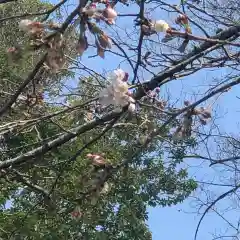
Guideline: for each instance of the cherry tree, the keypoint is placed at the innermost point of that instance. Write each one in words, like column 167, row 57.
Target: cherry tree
column 95, row 118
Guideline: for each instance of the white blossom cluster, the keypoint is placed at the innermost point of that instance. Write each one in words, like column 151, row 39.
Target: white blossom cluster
column 116, row 93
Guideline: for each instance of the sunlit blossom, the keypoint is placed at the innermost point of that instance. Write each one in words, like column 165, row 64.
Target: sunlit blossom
column 160, row 26
column 116, row 93
column 157, row 90
column 31, row 27
column 24, row 24
column 110, row 14
column 90, row 10
column 97, row 159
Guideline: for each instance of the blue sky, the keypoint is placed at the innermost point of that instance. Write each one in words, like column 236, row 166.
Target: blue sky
column 179, row 222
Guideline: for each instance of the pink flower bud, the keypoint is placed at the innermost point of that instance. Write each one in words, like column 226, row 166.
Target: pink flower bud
column 82, row 45
column 93, row 5
column 109, row 13
column 105, row 41
column 99, row 161
column 11, row 49
column 90, row 10
column 89, row 155
column 76, row 214
column 157, row 90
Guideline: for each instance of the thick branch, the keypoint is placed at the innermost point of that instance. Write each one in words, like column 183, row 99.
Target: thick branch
column 92, row 124
column 25, row 181
column 64, row 167
column 135, row 155
column 189, row 58
column 150, row 85
column 221, row 161
column 60, row 140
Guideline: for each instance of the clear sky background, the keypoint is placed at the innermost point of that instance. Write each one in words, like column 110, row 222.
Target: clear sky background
column 179, row 222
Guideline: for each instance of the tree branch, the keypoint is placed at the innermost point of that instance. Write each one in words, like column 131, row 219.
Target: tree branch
column 60, row 140
column 25, row 181
column 212, row 204
column 189, row 58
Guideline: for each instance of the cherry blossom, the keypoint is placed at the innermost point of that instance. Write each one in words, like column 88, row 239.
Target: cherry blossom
column 90, row 10
column 82, row 45
column 116, row 93
column 157, row 90
column 76, row 213
column 25, row 24
column 110, row 14
column 182, row 20
column 102, row 42
column 160, row 26
column 31, row 27
column 97, row 159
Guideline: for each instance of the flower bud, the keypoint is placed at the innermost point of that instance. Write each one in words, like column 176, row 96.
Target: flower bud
column 82, row 45
column 109, row 13
column 90, row 10
column 160, row 26
column 105, row 41
column 24, row 25
column 145, row 29
column 98, row 160
column 181, row 19
column 157, row 90
column 149, row 92
column 76, row 213
column 129, row 94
